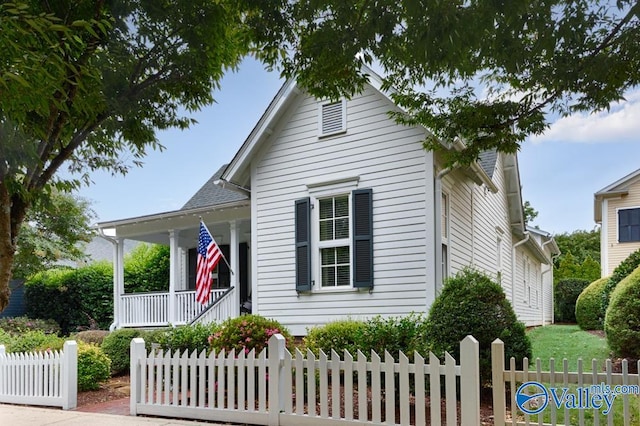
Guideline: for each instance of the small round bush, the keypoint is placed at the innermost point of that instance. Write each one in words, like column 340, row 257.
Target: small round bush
column 471, row 304
column 565, row 294
column 94, row 367
column 395, row 334
column 589, row 313
column 187, row 338
column 35, row 341
column 622, row 319
column 247, row 332
column 117, row 346
column 621, row 271
column 337, row 335
column 92, row 336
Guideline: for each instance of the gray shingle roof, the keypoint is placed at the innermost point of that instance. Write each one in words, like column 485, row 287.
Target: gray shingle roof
column 211, row 194
column 487, row 160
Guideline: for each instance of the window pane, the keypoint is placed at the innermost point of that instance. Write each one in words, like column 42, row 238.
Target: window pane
column 326, row 230
column 328, row 276
column 343, row 255
column 326, row 208
column 343, row 275
column 635, row 233
column 342, row 228
column 328, row 256
column 342, row 206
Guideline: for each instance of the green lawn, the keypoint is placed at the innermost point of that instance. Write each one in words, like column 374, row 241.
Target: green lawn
column 568, row 341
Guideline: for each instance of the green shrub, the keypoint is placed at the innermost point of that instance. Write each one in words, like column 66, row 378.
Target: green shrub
column 247, row 332
column 337, row 335
column 187, row 338
column 18, row 325
column 589, row 313
column 395, row 334
column 622, row 319
column 5, row 338
column 77, row 299
column 34, row 341
column 117, row 346
column 94, row 367
column 94, row 337
column 565, row 294
column 146, row 269
column 625, row 268
column 471, row 304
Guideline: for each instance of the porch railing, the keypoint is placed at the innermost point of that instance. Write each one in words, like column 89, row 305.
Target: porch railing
column 152, row 309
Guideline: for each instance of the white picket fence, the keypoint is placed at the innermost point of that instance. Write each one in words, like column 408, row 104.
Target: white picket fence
column 558, row 378
column 278, row 388
column 40, row 378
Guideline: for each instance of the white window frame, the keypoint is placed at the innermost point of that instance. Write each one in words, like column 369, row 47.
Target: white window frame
column 343, row 128
column 499, row 254
column 322, row 190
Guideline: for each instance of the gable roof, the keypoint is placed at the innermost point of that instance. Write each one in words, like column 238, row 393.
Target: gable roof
column 211, row 194
column 616, row 189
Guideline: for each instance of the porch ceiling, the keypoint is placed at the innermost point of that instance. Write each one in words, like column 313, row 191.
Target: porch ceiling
column 155, row 228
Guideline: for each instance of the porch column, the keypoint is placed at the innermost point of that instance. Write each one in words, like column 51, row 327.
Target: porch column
column 235, row 266
column 174, row 271
column 118, row 280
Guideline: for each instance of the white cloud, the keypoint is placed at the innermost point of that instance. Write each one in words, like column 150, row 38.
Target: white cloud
column 620, row 124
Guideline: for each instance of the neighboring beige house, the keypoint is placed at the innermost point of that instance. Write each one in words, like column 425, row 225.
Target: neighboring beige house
column 332, row 210
column 617, row 210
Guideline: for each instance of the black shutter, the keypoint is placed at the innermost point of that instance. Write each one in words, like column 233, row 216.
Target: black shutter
column 303, row 240
column 362, row 238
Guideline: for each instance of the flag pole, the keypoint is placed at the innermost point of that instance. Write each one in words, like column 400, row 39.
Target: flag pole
column 221, row 253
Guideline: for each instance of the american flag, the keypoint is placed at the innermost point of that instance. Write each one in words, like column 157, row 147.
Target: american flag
column 209, row 255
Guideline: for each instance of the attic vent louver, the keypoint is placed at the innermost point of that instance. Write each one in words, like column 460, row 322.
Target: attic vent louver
column 332, row 118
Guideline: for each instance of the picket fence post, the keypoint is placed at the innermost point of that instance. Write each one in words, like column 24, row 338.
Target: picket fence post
column 470, row 381
column 69, row 375
column 497, row 380
column 138, row 352
column 276, row 378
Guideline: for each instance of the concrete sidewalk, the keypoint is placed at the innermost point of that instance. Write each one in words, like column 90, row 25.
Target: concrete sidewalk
column 20, row 415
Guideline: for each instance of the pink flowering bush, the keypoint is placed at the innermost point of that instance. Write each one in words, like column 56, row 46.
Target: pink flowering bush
column 245, row 333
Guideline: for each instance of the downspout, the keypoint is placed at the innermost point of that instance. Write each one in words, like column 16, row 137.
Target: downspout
column 116, row 279
column 437, row 206
column 513, row 267
column 542, row 279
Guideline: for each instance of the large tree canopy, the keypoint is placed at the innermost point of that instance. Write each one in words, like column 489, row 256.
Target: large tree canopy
column 488, row 72
column 86, row 83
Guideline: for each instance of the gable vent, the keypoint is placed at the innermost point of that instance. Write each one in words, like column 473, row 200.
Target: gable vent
column 332, row 118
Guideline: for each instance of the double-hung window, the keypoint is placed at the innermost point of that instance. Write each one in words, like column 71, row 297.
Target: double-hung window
column 334, row 241
column 628, row 225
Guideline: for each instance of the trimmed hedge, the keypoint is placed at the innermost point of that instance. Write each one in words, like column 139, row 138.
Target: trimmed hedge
column 589, row 313
column 622, row 319
column 246, row 333
column 77, row 299
column 146, row 269
column 117, row 346
column 565, row 295
column 623, row 270
column 472, row 304
column 93, row 367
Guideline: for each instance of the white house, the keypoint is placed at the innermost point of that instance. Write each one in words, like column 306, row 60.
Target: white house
column 332, row 210
column 617, row 211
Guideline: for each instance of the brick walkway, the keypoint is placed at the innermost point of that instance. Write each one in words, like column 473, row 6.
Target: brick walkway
column 116, row 406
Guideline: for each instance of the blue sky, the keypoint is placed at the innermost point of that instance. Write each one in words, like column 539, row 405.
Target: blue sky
column 559, row 170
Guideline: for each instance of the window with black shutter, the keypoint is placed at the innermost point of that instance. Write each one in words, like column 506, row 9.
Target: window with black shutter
column 628, row 225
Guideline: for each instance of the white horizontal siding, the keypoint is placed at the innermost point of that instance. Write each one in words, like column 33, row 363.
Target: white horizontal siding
column 385, row 157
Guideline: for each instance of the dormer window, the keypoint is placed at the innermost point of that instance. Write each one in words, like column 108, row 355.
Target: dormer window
column 333, row 118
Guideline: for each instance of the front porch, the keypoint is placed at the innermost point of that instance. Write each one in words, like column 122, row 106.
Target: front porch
column 230, row 226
